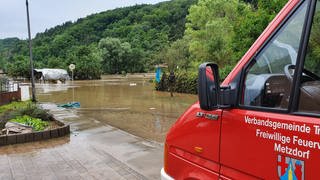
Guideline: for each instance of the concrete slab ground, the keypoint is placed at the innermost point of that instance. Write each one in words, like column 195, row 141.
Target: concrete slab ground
column 92, row 151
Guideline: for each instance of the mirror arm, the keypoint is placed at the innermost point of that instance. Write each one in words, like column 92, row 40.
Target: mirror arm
column 227, row 97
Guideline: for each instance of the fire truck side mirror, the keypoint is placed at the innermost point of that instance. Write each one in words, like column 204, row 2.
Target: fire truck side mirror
column 208, row 86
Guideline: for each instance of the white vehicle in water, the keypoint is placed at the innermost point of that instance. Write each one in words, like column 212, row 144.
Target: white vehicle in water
column 52, row 74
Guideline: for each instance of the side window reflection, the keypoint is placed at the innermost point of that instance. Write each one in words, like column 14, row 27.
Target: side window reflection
column 268, row 79
column 310, row 81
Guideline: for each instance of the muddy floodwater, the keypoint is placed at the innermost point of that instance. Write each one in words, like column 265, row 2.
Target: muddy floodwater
column 128, row 103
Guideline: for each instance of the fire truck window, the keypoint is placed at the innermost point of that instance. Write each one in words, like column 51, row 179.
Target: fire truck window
column 266, row 84
column 310, row 81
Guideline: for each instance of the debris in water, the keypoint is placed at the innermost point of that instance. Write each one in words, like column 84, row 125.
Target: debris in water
column 70, row 105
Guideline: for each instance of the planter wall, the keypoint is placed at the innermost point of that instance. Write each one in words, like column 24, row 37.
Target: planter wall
column 34, row 136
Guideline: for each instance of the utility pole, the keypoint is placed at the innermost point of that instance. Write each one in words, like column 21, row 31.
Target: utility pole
column 30, row 51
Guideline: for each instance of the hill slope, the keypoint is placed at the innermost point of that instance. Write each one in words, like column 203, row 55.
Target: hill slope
column 142, row 30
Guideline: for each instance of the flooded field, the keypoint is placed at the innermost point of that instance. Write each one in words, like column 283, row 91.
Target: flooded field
column 128, row 103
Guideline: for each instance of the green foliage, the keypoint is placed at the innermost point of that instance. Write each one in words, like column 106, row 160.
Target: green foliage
column 25, row 108
column 13, row 106
column 220, row 31
column 11, row 50
column 185, row 82
column 271, row 7
column 211, row 29
column 143, row 30
column 7, row 110
column 176, row 56
column 24, row 111
column 223, row 30
column 118, row 57
column 35, row 123
column 179, row 33
column 88, row 62
column 31, row 109
column 114, row 54
column 55, row 62
column 249, row 27
column 20, row 67
column 4, row 64
column 313, row 55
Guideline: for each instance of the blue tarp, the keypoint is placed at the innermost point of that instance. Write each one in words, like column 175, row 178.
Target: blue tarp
column 70, row 105
column 158, row 74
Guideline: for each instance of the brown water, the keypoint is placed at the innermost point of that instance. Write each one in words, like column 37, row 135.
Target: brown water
column 129, row 103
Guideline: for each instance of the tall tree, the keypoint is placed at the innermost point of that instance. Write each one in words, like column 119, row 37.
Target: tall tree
column 211, row 29
column 223, row 30
column 88, row 62
column 20, row 67
column 118, row 57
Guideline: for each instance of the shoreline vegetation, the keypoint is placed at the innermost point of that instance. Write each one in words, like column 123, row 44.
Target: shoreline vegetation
column 179, row 34
column 184, row 83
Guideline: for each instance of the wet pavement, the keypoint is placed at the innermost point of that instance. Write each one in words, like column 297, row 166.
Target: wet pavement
column 116, row 134
column 98, row 152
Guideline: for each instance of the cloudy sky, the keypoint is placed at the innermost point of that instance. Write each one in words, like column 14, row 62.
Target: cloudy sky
column 45, row 14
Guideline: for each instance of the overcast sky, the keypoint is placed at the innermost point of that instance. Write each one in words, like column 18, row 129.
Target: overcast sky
column 45, row 14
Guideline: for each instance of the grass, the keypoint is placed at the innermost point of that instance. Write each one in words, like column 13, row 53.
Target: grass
column 14, row 106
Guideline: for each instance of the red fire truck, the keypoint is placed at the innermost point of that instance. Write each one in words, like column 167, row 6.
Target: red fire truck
column 262, row 121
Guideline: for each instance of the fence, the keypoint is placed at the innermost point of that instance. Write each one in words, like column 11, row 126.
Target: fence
column 11, row 87
column 9, row 91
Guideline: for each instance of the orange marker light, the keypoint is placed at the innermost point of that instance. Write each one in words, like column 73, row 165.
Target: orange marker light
column 198, row 149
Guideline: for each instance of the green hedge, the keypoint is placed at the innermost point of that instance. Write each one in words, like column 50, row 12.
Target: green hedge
column 185, row 82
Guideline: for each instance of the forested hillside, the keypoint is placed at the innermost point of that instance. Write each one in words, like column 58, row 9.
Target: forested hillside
column 116, row 41
column 180, row 33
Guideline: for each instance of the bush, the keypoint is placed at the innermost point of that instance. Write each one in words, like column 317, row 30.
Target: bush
column 35, row 123
column 34, row 111
column 185, row 82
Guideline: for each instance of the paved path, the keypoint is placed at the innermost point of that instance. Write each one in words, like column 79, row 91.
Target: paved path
column 93, row 151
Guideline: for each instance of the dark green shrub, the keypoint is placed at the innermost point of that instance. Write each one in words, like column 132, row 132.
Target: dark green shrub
column 185, row 82
column 34, row 111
